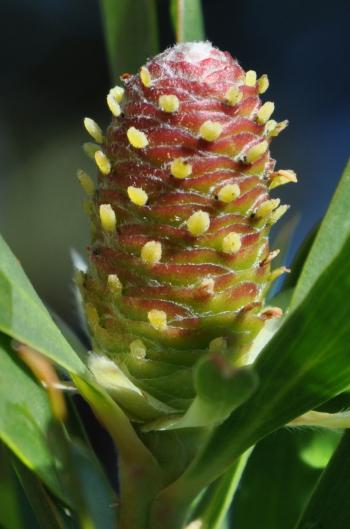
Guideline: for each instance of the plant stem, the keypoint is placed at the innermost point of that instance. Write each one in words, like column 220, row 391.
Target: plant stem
column 140, row 474
column 222, row 494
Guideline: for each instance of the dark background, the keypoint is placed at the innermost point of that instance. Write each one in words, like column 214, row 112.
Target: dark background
column 54, row 72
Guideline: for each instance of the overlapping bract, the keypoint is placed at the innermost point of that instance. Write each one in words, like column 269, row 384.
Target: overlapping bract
column 180, row 260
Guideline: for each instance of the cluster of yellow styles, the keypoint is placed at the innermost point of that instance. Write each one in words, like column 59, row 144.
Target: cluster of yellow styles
column 199, row 222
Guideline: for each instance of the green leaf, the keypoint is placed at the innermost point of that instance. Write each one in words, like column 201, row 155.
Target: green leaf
column 276, row 481
column 305, row 363
column 46, row 513
column 131, row 33
column 24, row 317
column 10, row 510
column 94, row 503
column 25, row 418
column 220, row 389
column 329, row 506
column 218, row 499
column 331, row 236
column 187, row 19
column 299, row 260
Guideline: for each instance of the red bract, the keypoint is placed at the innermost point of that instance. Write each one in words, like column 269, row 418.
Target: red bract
column 180, row 254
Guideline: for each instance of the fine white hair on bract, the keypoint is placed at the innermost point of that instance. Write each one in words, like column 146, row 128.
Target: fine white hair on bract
column 194, row 51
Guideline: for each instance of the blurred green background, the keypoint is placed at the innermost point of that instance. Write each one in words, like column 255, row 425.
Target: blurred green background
column 54, row 72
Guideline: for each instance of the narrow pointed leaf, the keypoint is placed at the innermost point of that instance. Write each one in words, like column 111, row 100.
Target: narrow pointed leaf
column 25, row 418
column 329, row 505
column 220, row 495
column 24, row 317
column 305, row 364
column 331, row 236
column 131, row 33
column 85, row 483
column 277, row 481
column 10, row 508
column 187, row 19
column 45, row 511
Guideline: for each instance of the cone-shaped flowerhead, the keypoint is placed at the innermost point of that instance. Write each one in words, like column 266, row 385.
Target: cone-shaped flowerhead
column 180, row 260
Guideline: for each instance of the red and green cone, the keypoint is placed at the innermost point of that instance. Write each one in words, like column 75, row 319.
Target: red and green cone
column 180, row 262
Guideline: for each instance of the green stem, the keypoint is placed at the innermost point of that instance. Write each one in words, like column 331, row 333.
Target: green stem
column 222, row 494
column 140, row 475
column 171, row 507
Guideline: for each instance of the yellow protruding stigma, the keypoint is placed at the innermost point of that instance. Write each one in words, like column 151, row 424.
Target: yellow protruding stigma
column 180, row 169
column 255, row 152
column 265, row 112
column 86, row 182
column 275, row 274
column 263, row 83
column 210, row 130
column 138, row 349
column 250, row 78
column 113, row 105
column 278, row 213
column 90, row 149
column 151, row 252
column 271, row 312
column 102, row 162
column 229, row 192
column 114, row 284
column 198, row 223
column 270, row 126
column 118, row 93
column 279, row 127
column 169, row 103
column 137, row 138
column 107, row 217
column 281, row 177
column 158, row 319
column 145, row 77
column 231, row 243
column 94, row 130
column 233, row 95
column 266, row 208
column 218, row 345
column 269, row 257
column 137, row 195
